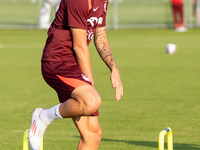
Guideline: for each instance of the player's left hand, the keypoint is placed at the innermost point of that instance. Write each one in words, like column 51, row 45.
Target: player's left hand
column 117, row 84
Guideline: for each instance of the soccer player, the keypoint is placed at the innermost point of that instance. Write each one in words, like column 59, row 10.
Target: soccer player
column 45, row 13
column 66, row 67
column 178, row 12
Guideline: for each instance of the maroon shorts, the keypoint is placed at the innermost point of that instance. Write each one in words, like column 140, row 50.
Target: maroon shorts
column 64, row 77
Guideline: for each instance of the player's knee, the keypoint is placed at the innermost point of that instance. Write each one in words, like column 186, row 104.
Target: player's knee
column 97, row 136
column 94, row 137
column 92, row 104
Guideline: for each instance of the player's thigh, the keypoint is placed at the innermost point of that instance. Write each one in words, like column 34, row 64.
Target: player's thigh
column 87, row 95
column 88, row 127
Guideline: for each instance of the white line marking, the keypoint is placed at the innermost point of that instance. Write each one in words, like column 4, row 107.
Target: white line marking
column 1, row 46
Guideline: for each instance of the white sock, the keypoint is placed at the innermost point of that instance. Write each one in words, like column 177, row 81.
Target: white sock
column 51, row 114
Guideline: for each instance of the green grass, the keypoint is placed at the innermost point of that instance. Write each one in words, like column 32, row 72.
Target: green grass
column 159, row 90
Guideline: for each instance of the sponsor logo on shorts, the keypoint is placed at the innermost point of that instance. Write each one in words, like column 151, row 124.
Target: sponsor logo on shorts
column 85, row 77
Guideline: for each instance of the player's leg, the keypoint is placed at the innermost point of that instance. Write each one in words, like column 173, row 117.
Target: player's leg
column 57, row 5
column 181, row 15
column 174, row 10
column 76, row 94
column 54, row 2
column 45, row 15
column 79, row 99
column 90, row 132
column 182, row 27
column 85, row 101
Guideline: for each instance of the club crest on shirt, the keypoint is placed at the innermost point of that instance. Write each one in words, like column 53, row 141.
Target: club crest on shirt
column 85, row 77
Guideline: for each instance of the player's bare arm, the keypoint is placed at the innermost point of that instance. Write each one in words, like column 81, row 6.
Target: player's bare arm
column 82, row 52
column 103, row 48
column 105, row 52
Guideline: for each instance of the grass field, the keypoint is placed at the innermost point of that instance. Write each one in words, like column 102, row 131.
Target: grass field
column 160, row 90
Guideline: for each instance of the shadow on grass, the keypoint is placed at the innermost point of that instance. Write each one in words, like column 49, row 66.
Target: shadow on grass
column 176, row 146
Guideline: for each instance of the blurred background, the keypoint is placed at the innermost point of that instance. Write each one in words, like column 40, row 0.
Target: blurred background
column 23, row 14
column 160, row 90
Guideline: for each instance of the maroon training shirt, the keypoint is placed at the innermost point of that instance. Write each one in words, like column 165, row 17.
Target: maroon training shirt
column 73, row 13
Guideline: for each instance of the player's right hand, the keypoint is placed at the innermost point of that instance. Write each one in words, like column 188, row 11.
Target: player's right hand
column 117, row 84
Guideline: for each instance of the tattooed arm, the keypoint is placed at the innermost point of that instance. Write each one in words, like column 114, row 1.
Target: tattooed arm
column 103, row 48
column 105, row 52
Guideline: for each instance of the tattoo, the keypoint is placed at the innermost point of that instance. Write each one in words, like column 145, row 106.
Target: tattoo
column 103, row 47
